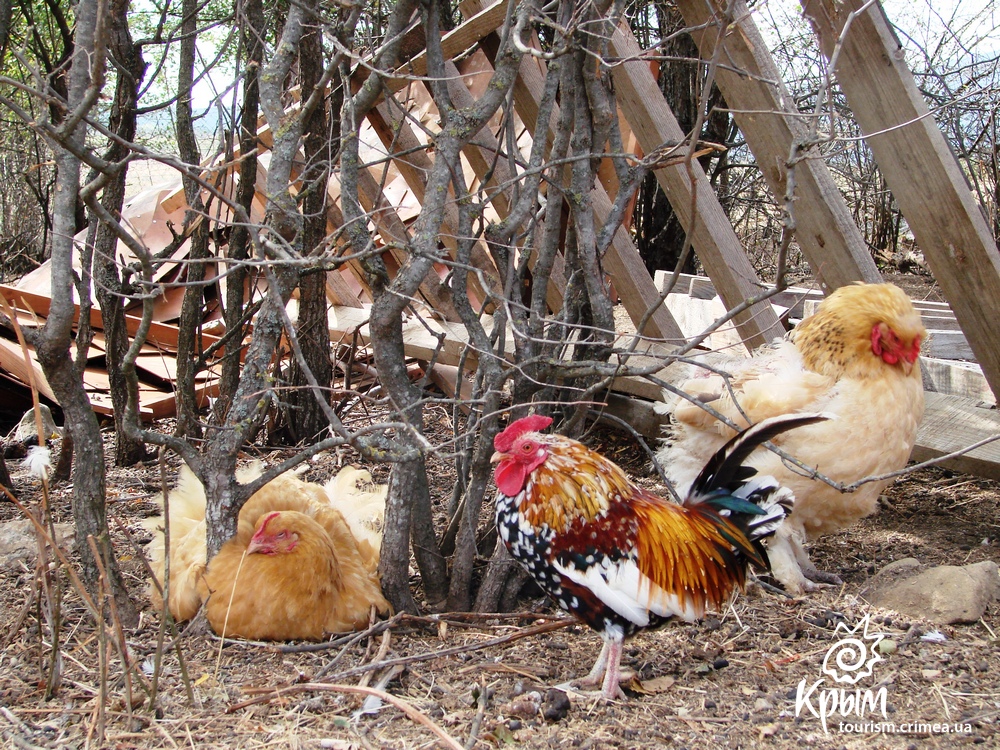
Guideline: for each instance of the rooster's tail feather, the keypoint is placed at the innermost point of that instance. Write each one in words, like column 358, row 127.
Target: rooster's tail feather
column 752, row 503
column 725, row 469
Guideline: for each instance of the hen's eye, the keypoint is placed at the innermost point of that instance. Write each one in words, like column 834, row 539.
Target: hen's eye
column 281, row 535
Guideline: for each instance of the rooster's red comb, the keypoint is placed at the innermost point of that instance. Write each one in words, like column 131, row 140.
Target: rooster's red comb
column 532, row 423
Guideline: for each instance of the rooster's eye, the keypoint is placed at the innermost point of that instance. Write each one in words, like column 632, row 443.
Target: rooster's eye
column 526, row 448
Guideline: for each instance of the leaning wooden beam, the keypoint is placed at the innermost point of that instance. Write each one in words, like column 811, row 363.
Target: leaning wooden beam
column 918, row 165
column 697, row 206
column 764, row 111
column 485, row 22
column 485, row 156
column 410, row 158
column 622, row 260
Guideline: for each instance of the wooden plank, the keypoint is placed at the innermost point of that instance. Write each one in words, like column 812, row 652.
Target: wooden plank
column 160, row 334
column 802, row 301
column 952, row 423
column 957, row 379
column 919, row 167
column 713, row 237
column 765, row 113
column 419, row 340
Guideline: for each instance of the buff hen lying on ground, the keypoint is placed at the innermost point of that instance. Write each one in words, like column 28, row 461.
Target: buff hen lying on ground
column 303, row 560
column 855, row 359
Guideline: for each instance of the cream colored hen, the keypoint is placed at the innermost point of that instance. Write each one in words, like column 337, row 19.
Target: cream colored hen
column 296, row 569
column 855, row 359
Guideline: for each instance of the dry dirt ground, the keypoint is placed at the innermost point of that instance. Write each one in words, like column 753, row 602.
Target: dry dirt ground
column 729, row 681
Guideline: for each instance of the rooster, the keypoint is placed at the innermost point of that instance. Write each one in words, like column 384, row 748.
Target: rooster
column 621, row 558
column 855, row 358
column 296, row 569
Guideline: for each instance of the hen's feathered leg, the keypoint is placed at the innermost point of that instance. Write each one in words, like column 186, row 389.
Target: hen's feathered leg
column 784, row 565
column 809, row 570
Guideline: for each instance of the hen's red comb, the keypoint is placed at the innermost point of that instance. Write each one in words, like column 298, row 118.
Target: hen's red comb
column 532, row 423
column 262, row 531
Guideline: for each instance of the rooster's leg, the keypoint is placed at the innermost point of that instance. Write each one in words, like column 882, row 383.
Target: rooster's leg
column 600, row 667
column 606, row 671
column 612, row 676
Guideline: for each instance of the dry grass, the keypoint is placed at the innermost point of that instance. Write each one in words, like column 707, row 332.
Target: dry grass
column 728, row 681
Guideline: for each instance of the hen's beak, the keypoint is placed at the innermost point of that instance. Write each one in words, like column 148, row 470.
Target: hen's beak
column 907, row 365
column 255, row 545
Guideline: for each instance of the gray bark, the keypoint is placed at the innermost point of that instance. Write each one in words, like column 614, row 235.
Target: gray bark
column 53, row 340
column 108, row 288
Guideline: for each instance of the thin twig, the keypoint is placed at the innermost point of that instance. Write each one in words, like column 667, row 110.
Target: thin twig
column 382, row 651
column 102, row 651
column 544, row 627
column 167, row 617
column 402, row 705
column 477, row 721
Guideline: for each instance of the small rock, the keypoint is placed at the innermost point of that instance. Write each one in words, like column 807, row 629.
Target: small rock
column 18, row 542
column 945, row 594
column 982, row 666
column 720, row 663
column 762, row 704
column 887, row 647
column 514, row 724
column 525, row 706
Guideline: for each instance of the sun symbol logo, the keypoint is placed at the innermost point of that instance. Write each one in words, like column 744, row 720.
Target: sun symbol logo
column 853, row 657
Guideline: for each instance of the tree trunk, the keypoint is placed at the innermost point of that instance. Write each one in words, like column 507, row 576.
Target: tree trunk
column 249, row 407
column 192, row 306
column 394, row 564
column 306, row 418
column 130, row 71
column 53, row 341
column 251, row 23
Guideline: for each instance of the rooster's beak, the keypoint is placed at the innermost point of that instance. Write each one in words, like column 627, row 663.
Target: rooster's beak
column 496, row 458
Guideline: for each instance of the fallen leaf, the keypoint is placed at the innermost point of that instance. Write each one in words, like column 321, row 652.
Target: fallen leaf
column 768, row 730
column 657, row 684
column 930, row 674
